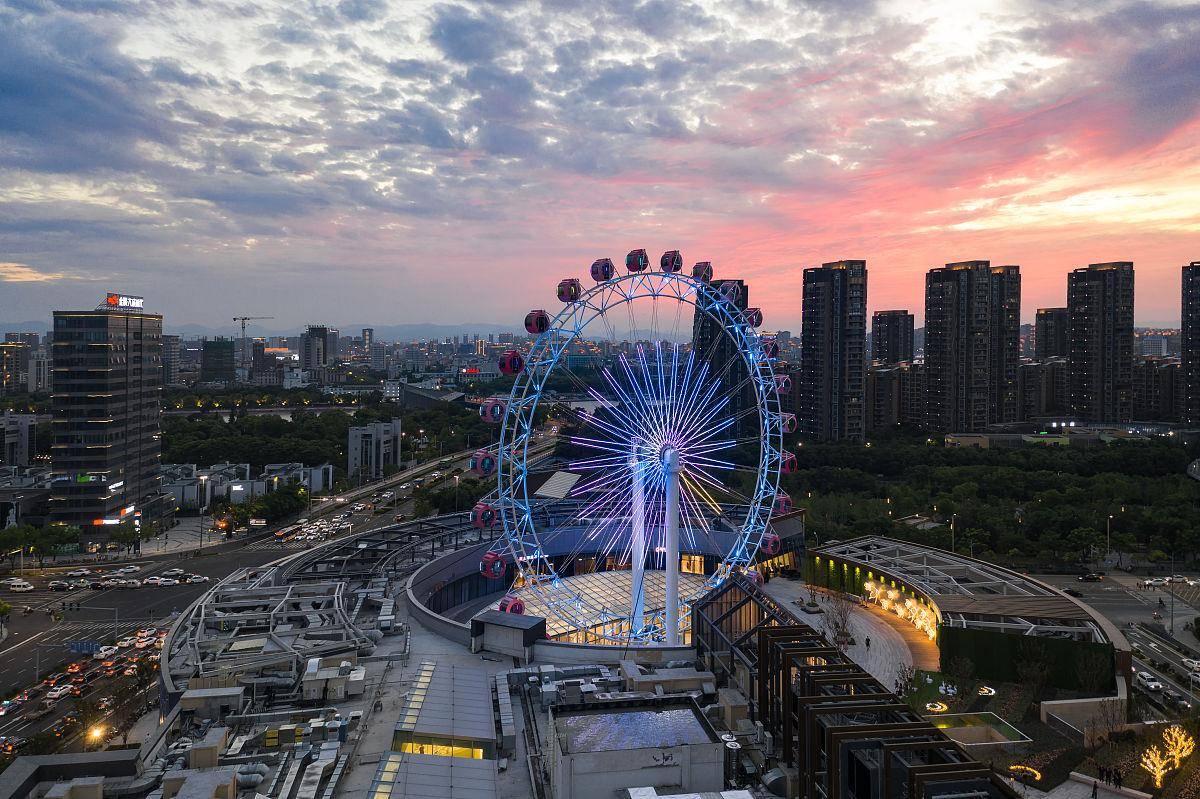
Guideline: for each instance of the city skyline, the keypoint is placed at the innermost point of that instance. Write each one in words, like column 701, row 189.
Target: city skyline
column 381, row 160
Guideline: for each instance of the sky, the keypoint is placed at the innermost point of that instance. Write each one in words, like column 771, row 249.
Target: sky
column 448, row 162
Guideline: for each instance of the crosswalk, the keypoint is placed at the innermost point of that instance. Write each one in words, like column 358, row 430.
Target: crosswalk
column 273, row 546
column 69, row 631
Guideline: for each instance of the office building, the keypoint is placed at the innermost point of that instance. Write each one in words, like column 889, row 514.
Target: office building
column 31, row 340
column 1051, row 334
column 713, row 346
column 972, row 345
column 372, row 448
column 368, row 338
column 217, row 361
column 891, row 336
column 170, row 360
column 37, row 374
column 332, row 342
column 1100, row 303
column 19, row 437
column 1189, row 336
column 378, row 353
column 314, row 353
column 105, row 417
column 14, row 363
column 833, row 338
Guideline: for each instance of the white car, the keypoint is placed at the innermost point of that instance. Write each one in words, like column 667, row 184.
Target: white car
column 124, row 642
column 104, row 653
column 142, row 643
column 152, row 581
column 131, row 583
column 79, row 573
column 1148, row 681
column 405, row 486
column 359, row 508
column 173, row 572
column 58, row 692
column 197, row 578
column 21, row 587
column 1158, row 581
column 167, row 581
column 1191, row 664
column 129, row 569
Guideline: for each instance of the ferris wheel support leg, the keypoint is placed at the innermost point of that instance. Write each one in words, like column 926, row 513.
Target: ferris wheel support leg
column 671, row 464
column 637, row 612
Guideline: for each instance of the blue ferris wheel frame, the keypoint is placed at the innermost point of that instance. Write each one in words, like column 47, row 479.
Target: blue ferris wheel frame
column 521, row 542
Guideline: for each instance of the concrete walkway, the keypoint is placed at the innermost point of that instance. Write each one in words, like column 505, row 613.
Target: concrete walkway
column 892, row 646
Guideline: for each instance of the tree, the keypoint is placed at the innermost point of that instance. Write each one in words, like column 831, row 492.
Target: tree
column 838, row 613
column 1178, row 743
column 1157, row 764
column 126, row 534
column 961, row 670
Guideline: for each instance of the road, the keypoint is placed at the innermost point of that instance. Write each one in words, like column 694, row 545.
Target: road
column 1118, row 598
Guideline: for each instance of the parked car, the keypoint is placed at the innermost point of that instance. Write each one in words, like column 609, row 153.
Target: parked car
column 1148, row 681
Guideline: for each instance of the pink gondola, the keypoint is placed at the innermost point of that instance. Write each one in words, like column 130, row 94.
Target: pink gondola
column 569, row 289
column 771, row 349
column 511, row 604
column 637, row 261
column 537, row 322
column 783, row 384
column 483, row 516
column 511, row 362
column 483, row 463
column 603, row 269
column 492, row 410
column 770, row 543
column 783, row 504
column 753, row 317
column 788, row 464
column 491, row 566
column 671, row 261
column 789, row 422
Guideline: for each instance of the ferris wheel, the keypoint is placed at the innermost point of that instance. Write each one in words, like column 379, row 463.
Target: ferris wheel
column 674, row 435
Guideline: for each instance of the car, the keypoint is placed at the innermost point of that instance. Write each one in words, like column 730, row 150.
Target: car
column 77, row 667
column 21, row 587
column 131, row 583
column 152, row 580
column 9, row 706
column 97, row 585
column 12, row 744
column 197, row 578
column 142, row 643
column 128, row 570
column 112, row 582
column 405, row 486
column 1148, row 681
column 166, row 581
column 359, row 507
column 104, row 702
column 1175, row 701
column 1159, row 581
column 58, row 692
column 105, row 653
column 173, row 572
column 81, row 583
column 124, row 642
column 79, row 573
column 130, row 671
column 54, row 679
column 146, row 632
column 1072, row 592
column 59, row 585
column 1090, row 577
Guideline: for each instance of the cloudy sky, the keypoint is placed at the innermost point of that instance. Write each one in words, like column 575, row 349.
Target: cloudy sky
column 410, row 161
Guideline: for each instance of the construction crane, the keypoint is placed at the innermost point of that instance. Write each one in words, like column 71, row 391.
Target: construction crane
column 245, row 347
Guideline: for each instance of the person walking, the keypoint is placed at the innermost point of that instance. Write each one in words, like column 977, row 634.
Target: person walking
column 868, row 643
column 1095, row 789
column 1119, row 779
